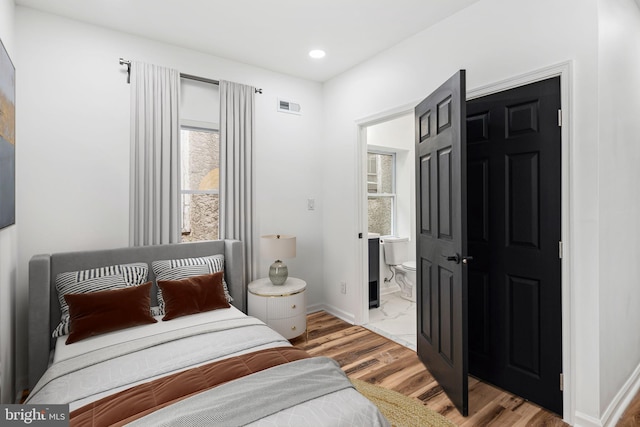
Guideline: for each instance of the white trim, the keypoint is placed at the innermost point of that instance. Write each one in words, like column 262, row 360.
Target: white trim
column 521, row 80
column 197, row 124
column 385, row 116
column 335, row 311
column 565, row 71
column 214, row 191
column 362, row 223
column 313, row 308
column 584, row 420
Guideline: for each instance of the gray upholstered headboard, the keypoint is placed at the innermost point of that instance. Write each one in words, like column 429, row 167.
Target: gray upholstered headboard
column 44, row 309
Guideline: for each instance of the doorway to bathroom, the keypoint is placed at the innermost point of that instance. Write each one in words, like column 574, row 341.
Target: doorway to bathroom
column 390, row 194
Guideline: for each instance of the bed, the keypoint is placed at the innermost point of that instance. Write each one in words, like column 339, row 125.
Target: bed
column 201, row 367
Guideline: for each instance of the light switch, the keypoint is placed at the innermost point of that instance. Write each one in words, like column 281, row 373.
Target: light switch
column 311, row 204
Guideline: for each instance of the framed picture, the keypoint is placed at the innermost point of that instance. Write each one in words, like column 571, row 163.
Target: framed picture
column 7, row 139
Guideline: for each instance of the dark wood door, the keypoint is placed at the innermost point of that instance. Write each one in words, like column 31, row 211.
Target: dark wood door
column 514, row 230
column 441, row 237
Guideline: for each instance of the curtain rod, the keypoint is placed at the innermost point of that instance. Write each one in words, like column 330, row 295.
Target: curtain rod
column 182, row 75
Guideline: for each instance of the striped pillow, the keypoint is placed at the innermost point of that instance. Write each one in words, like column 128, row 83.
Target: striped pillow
column 95, row 279
column 176, row 269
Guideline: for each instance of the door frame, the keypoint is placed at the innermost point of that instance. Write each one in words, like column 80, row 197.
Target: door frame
column 563, row 70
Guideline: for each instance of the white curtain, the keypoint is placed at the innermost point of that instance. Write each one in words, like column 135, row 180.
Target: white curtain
column 154, row 208
column 236, row 168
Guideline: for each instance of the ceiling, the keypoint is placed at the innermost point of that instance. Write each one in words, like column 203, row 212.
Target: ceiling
column 272, row 34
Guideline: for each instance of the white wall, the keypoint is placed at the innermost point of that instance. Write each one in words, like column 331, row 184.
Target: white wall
column 493, row 40
column 8, row 243
column 619, row 156
column 73, row 123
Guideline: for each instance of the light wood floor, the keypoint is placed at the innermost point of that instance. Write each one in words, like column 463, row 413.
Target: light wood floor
column 631, row 417
column 367, row 356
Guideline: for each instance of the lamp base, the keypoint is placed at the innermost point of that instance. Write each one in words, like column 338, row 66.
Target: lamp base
column 278, row 273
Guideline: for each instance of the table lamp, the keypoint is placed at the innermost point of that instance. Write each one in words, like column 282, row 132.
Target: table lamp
column 278, row 246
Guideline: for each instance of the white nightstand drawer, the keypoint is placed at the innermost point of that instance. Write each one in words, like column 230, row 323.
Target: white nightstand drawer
column 281, row 307
column 285, row 307
column 291, row 327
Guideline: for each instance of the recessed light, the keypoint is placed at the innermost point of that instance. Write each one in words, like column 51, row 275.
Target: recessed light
column 317, row 53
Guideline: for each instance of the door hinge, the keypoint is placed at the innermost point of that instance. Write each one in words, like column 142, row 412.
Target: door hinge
column 560, row 250
column 560, row 118
column 561, row 381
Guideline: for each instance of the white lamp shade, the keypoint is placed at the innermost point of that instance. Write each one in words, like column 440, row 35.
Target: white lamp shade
column 278, row 246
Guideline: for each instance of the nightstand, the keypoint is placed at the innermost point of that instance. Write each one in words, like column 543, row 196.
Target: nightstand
column 283, row 308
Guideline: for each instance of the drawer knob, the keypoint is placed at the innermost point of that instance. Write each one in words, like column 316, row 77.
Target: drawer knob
column 293, row 328
column 293, row 306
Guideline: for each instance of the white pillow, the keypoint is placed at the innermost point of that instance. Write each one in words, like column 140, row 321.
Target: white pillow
column 176, row 269
column 95, row 279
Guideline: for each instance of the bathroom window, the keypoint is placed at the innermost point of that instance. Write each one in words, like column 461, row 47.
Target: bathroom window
column 381, row 191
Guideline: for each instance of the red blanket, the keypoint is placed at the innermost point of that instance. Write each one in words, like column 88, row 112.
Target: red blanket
column 128, row 405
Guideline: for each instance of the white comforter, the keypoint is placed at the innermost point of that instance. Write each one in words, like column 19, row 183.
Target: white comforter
column 94, row 368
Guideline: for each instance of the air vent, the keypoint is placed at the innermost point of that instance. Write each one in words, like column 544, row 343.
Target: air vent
column 288, row 107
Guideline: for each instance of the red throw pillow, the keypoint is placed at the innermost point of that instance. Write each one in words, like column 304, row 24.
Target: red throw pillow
column 193, row 295
column 100, row 312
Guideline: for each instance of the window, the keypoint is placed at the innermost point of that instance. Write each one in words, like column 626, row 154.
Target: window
column 381, row 192
column 200, row 163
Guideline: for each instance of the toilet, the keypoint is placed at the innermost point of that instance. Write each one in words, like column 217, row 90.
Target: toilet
column 396, row 256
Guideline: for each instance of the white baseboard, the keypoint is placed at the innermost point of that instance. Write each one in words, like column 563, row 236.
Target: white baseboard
column 622, row 399
column 314, row 308
column 340, row 314
column 584, row 420
column 389, row 289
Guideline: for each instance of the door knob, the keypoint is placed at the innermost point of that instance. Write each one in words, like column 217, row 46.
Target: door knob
column 466, row 259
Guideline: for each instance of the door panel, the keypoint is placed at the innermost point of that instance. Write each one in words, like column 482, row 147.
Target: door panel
column 514, row 230
column 522, row 195
column 425, row 184
column 524, row 331
column 425, row 328
column 441, row 240
column 444, row 194
column 478, row 199
column 477, row 127
column 445, row 307
column 522, row 119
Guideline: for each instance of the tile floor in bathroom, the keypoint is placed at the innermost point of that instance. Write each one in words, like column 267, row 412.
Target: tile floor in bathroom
column 395, row 319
